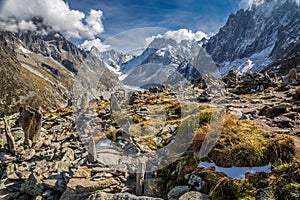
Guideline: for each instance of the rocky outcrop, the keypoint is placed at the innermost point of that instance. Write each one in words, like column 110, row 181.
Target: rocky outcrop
column 31, row 122
column 249, row 83
column 292, row 78
column 9, row 138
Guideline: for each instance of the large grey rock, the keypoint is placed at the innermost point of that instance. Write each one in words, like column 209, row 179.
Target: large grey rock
column 292, row 78
column 194, row 196
column 31, row 121
column 118, row 196
column 177, row 191
column 9, row 138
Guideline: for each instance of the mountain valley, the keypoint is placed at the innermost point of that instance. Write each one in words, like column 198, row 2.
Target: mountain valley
column 213, row 117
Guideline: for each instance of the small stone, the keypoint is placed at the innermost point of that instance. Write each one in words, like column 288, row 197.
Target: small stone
column 38, row 198
column 13, row 176
column 63, row 165
column 28, row 154
column 50, row 183
column 47, row 143
column 38, row 145
column 196, row 182
column 46, row 194
column 83, row 172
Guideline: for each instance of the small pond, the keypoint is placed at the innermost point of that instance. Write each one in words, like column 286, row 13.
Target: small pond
column 237, row 172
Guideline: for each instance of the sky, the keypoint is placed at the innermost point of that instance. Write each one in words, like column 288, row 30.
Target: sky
column 133, row 23
column 195, row 15
column 144, row 18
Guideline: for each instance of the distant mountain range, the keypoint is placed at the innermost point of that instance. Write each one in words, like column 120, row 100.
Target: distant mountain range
column 252, row 39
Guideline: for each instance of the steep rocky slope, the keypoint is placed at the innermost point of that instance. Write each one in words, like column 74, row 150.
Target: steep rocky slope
column 255, row 37
column 41, row 69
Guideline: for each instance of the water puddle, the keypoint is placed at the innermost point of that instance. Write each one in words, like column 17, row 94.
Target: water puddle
column 103, row 143
column 237, row 172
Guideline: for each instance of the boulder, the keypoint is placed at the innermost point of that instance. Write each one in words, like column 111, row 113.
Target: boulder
column 81, row 188
column 178, row 191
column 292, row 78
column 31, row 122
column 276, row 110
column 194, row 196
column 107, row 196
column 9, row 138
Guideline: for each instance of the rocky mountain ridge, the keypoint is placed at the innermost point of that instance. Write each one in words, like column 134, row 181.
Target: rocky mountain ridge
column 165, row 61
column 256, row 37
column 43, row 69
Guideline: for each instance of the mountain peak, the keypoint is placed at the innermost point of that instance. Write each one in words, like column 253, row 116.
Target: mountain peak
column 267, row 32
column 254, row 4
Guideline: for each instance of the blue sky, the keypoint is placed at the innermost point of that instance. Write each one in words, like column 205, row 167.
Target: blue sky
column 121, row 15
column 119, row 23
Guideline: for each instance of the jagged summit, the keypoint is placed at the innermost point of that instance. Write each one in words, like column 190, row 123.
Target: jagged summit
column 254, row 38
column 166, row 61
column 255, row 4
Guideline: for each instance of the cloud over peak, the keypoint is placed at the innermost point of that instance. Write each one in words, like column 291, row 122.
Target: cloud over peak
column 16, row 15
column 88, row 44
column 179, row 35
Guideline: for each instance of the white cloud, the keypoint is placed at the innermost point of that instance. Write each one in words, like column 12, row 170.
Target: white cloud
column 88, row 44
column 178, row 36
column 55, row 13
column 249, row 3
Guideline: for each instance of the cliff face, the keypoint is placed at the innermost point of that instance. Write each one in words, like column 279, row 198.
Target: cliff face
column 254, row 38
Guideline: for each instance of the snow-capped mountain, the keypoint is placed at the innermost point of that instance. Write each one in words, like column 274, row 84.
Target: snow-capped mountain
column 165, row 61
column 256, row 37
column 112, row 58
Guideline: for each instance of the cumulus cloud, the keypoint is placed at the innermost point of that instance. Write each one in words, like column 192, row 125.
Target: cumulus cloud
column 88, row 44
column 178, row 36
column 16, row 15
